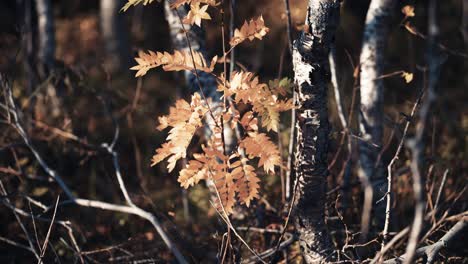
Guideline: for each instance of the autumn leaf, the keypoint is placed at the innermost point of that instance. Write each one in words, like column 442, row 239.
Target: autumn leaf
column 179, row 3
column 196, row 14
column 184, row 119
column 408, row 76
column 255, row 28
column 245, row 87
column 134, row 3
column 408, row 11
column 180, row 60
column 260, row 145
column 194, row 171
column 246, row 180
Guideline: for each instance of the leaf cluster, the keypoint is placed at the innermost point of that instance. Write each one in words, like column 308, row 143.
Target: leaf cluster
column 233, row 171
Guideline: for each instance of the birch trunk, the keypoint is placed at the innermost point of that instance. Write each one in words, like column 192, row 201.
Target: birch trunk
column 372, row 172
column 312, row 74
column 115, row 36
column 46, row 33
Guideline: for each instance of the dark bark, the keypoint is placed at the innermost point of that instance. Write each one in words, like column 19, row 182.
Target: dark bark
column 312, row 74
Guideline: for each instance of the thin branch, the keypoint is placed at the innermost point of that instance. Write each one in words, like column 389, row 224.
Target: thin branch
column 290, row 238
column 433, row 250
column 16, row 244
column 131, row 209
column 441, row 188
column 226, row 219
column 46, row 241
column 287, row 9
column 195, row 68
column 31, row 245
column 416, row 144
column 232, row 62
column 390, row 244
column 292, row 130
column 388, row 195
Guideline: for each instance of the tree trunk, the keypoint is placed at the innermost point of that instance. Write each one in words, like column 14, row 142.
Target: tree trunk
column 312, row 74
column 114, row 36
column 46, row 34
column 372, row 172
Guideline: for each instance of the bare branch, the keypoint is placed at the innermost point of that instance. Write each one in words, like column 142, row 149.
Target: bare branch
column 416, row 144
column 388, row 195
column 131, row 209
column 433, row 250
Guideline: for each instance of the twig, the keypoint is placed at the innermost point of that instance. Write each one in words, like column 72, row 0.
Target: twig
column 292, row 131
column 225, row 218
column 288, row 25
column 269, row 252
column 34, row 227
column 232, row 62
column 336, row 88
column 390, row 244
column 16, row 244
column 31, row 245
column 195, row 69
column 46, row 241
column 388, row 196
column 432, row 251
column 131, row 209
column 417, row 144
column 441, row 188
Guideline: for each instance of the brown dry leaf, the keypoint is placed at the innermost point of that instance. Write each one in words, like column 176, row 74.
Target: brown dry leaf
column 249, row 122
column 196, row 14
column 260, row 145
column 193, row 172
column 178, row 3
column 134, row 3
column 255, row 28
column 408, row 76
column 246, row 88
column 246, row 179
column 180, row 60
column 184, row 119
column 408, row 11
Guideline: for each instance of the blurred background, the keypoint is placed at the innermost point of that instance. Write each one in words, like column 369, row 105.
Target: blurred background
column 69, row 75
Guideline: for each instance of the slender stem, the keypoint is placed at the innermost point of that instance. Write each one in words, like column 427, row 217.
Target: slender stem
column 388, row 195
column 292, row 130
column 195, row 69
column 232, row 63
column 417, row 143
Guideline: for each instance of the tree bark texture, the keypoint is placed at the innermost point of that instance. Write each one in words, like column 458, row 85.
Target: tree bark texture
column 312, row 74
column 372, row 171
column 115, row 36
